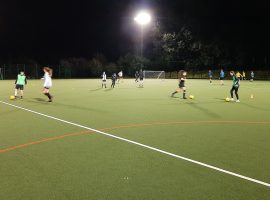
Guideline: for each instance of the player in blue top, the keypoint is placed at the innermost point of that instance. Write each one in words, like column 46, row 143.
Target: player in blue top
column 221, row 76
column 235, row 86
column 210, row 75
column 252, row 76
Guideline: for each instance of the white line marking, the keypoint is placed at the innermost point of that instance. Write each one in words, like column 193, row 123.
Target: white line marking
column 145, row 146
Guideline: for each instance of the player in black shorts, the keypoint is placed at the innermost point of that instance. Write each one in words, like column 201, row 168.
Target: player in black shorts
column 114, row 77
column 141, row 77
column 137, row 75
column 182, row 78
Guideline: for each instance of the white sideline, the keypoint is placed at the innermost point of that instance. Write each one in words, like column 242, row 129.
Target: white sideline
column 145, row 146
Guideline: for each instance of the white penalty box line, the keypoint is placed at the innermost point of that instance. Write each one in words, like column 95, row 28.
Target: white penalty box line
column 145, row 146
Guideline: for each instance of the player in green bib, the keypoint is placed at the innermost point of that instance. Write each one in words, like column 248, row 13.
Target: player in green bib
column 235, row 86
column 20, row 83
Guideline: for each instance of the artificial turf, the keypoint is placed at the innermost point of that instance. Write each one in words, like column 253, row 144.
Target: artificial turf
column 37, row 163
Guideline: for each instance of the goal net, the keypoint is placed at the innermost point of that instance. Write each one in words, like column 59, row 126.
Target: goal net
column 154, row 74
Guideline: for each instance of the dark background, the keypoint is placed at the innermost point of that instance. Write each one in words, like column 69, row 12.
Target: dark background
column 47, row 31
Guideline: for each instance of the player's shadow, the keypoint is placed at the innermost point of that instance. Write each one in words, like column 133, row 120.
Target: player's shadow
column 37, row 101
column 40, row 99
column 84, row 108
column 108, row 90
column 204, row 110
column 94, row 90
column 252, row 106
column 220, row 99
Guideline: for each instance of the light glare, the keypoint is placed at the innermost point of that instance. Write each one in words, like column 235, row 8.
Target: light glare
column 143, row 18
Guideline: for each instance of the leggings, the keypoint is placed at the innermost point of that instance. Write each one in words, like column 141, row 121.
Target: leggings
column 235, row 89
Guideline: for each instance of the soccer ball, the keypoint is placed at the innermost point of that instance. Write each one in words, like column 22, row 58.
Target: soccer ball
column 227, row 99
column 191, row 96
column 12, row 97
column 251, row 96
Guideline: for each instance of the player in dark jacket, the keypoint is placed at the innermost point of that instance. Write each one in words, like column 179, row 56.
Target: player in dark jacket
column 182, row 79
column 141, row 76
column 114, row 77
column 137, row 75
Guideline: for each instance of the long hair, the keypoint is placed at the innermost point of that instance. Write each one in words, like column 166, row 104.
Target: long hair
column 181, row 74
column 49, row 70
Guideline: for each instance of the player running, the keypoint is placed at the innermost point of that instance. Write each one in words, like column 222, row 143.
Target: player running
column 104, row 80
column 141, row 77
column 182, row 79
column 221, row 77
column 210, row 75
column 137, row 76
column 47, row 82
column 19, row 84
column 235, row 86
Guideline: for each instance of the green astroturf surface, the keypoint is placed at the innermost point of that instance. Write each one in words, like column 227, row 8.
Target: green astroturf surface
column 37, row 163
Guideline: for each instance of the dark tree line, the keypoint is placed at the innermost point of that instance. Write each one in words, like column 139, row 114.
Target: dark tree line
column 165, row 50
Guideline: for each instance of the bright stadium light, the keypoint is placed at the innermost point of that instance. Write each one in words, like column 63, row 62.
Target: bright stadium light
column 143, row 18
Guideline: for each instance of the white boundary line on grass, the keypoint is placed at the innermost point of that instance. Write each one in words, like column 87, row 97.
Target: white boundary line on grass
column 145, row 146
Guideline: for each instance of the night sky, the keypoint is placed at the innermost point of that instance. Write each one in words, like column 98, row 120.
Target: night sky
column 50, row 30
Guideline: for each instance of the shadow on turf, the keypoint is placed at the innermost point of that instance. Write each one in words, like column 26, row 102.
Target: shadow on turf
column 220, row 99
column 248, row 105
column 96, row 90
column 109, row 89
column 255, row 107
column 79, row 107
column 204, row 110
column 40, row 99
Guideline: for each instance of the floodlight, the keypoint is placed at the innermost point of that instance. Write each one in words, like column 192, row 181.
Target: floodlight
column 143, row 18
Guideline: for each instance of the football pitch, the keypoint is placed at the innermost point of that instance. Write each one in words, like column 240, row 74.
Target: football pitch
column 135, row 143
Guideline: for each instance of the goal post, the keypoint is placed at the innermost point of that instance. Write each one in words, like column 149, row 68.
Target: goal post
column 154, row 74
column 1, row 73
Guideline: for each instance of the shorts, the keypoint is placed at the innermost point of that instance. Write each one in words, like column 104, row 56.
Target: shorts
column 141, row 79
column 47, row 88
column 221, row 78
column 19, row 87
column 181, row 85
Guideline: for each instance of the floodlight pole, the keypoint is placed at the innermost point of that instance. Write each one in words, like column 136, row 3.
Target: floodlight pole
column 141, row 40
column 142, row 19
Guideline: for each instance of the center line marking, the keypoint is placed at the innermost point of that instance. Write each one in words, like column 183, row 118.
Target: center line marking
column 145, row 146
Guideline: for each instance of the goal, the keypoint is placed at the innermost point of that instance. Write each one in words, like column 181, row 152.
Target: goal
column 154, row 74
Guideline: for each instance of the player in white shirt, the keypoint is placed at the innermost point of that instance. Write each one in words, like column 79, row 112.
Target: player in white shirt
column 47, row 82
column 104, row 80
